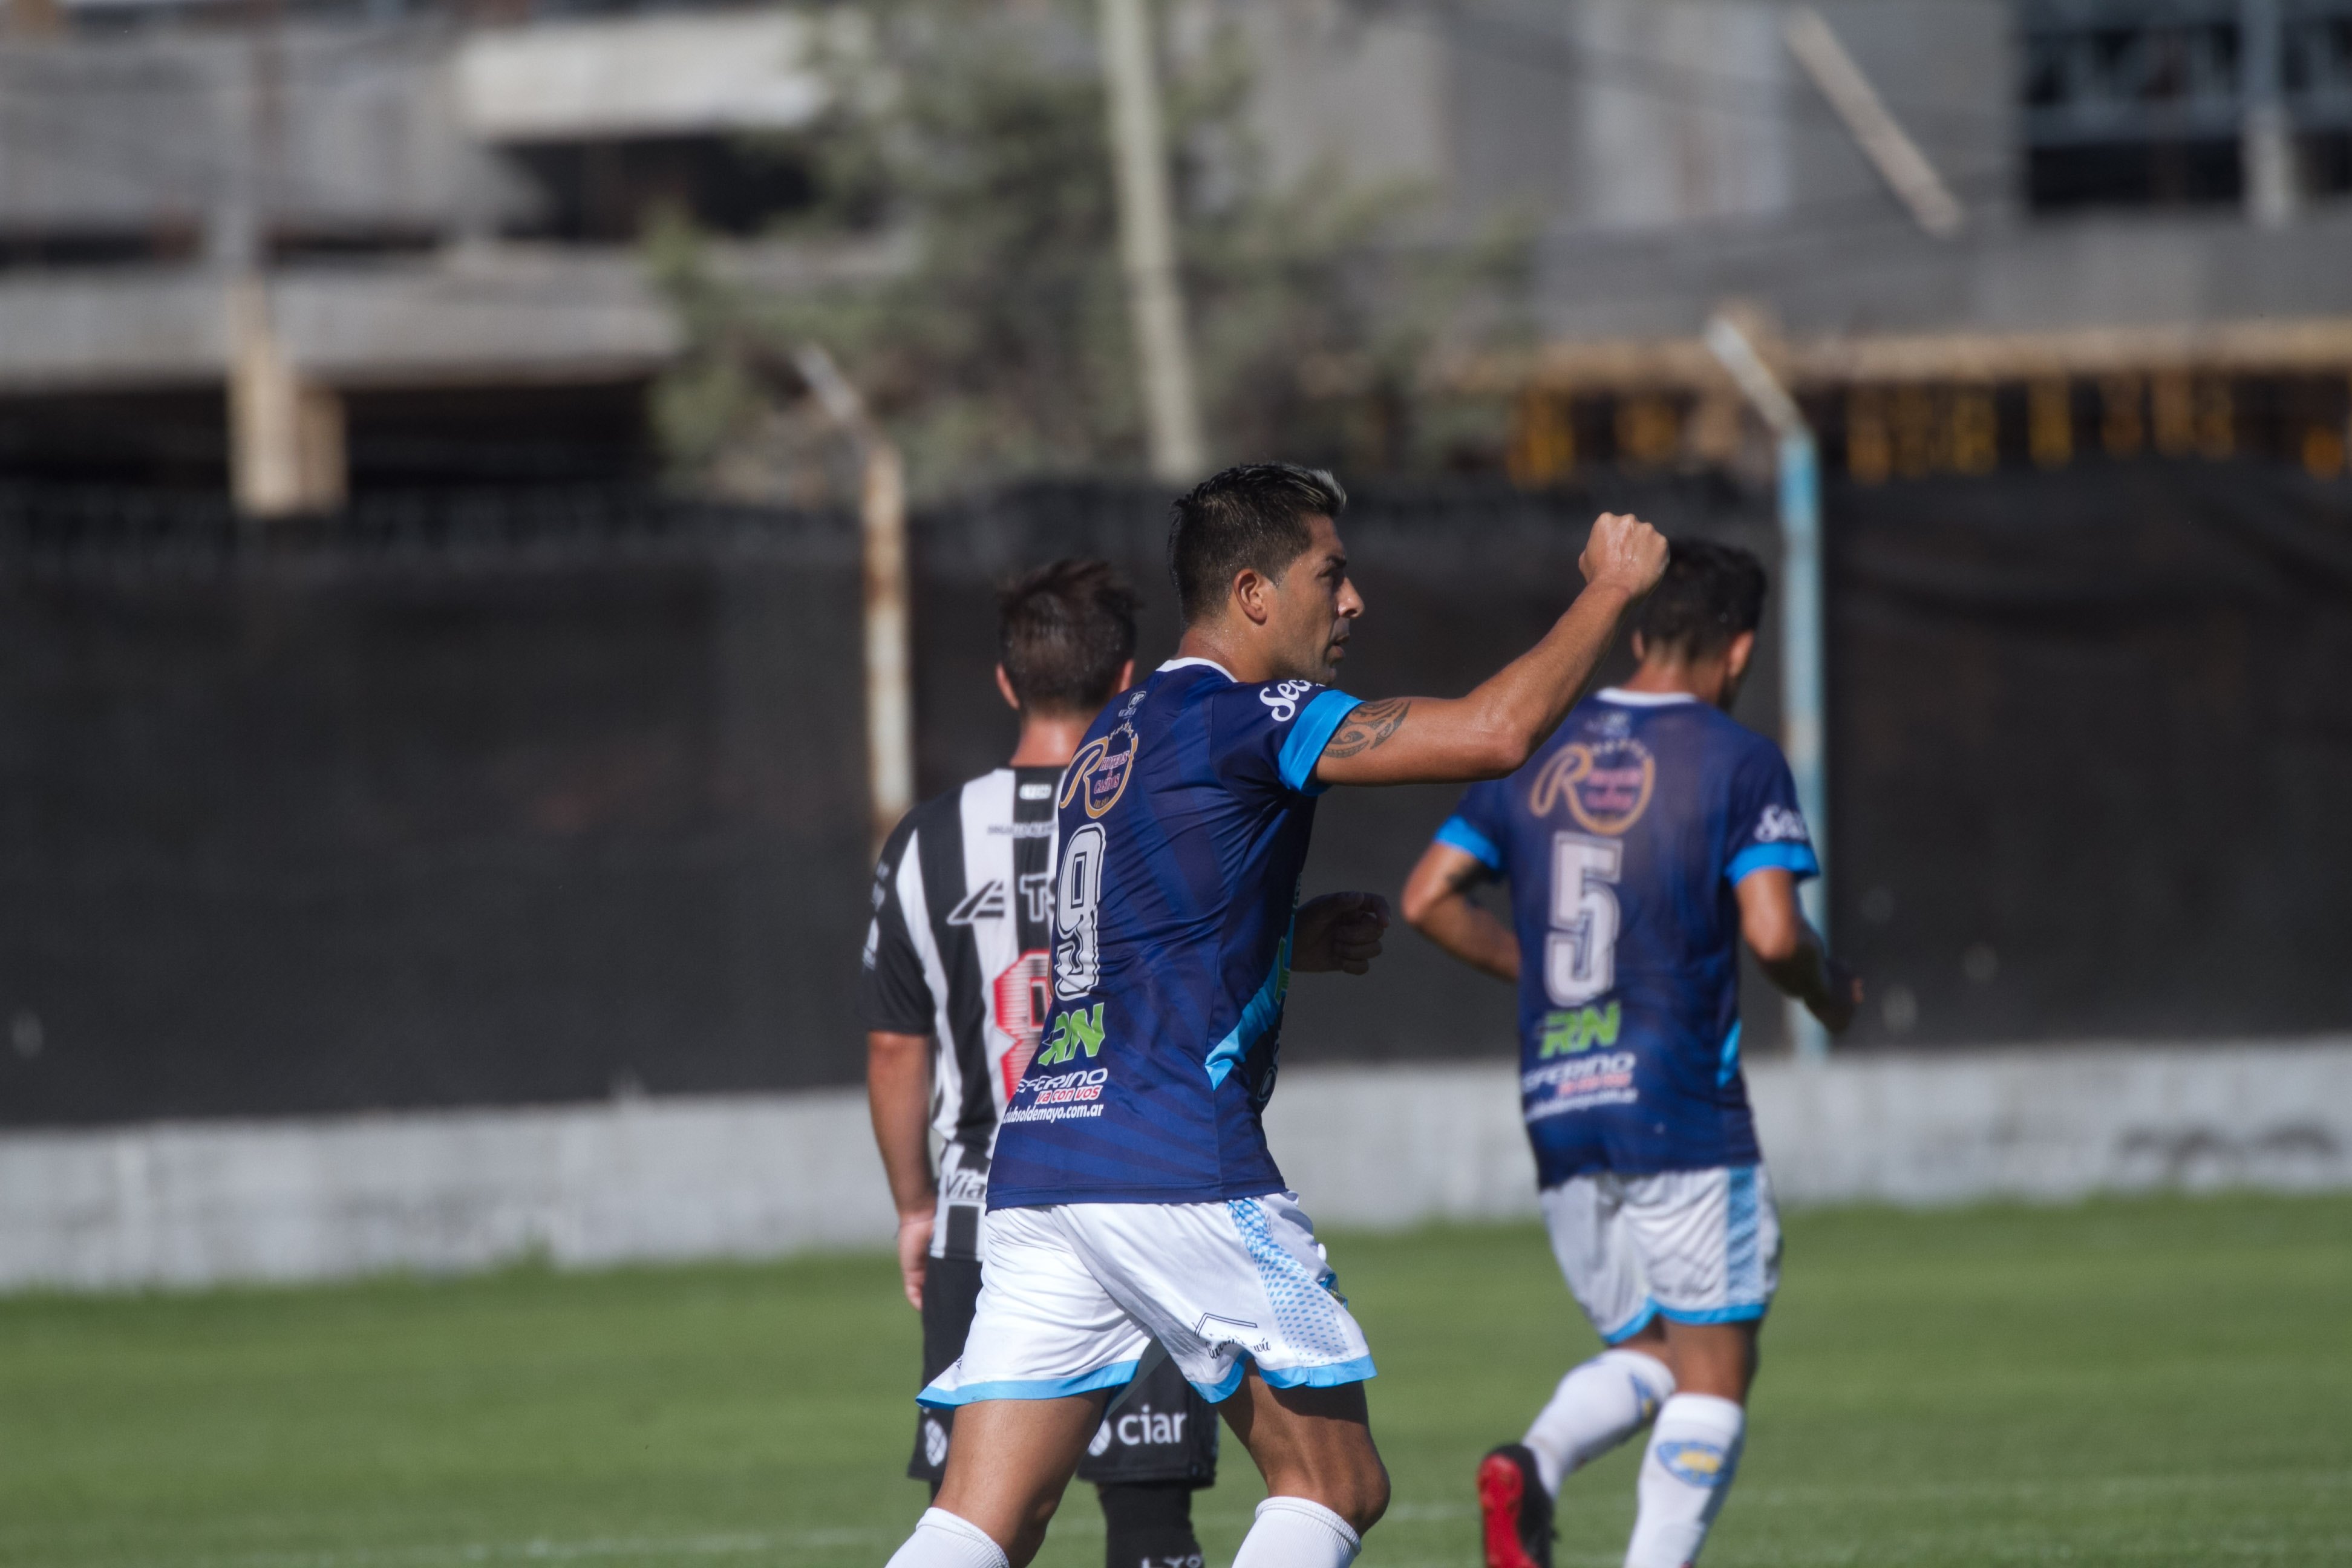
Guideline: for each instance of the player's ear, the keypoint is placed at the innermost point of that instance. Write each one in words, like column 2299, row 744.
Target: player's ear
column 1005, row 685
column 1253, row 592
column 1126, row 677
column 1742, row 649
column 1640, row 650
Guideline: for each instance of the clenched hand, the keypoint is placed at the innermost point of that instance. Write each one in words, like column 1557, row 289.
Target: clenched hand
column 1625, row 551
column 1340, row 931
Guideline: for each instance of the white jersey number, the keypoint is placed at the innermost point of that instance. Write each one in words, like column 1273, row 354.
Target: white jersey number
column 1581, row 953
column 1077, row 913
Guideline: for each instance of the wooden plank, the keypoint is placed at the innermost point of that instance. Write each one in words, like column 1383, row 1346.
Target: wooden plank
column 2320, row 345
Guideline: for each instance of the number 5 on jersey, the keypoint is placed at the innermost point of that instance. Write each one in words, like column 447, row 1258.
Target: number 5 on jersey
column 1581, row 953
column 1077, row 913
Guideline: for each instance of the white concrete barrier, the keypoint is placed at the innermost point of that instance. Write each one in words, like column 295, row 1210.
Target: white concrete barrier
column 757, row 1176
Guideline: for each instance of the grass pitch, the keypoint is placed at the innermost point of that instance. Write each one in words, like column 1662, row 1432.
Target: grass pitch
column 2147, row 1383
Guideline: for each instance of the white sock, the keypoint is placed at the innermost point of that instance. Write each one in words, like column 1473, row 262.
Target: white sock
column 1292, row 1533
column 943, row 1541
column 1596, row 1406
column 1684, row 1475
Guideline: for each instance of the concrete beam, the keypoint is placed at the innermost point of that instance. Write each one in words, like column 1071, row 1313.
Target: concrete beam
column 497, row 317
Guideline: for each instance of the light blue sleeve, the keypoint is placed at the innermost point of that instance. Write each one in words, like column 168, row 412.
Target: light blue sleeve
column 1470, row 841
column 1309, row 734
column 1797, row 857
column 1768, row 828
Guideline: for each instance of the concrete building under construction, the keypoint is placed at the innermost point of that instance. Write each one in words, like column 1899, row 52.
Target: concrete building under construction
column 290, row 253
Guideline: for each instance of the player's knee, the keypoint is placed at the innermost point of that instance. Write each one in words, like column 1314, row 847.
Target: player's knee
column 1363, row 1494
column 1029, row 1535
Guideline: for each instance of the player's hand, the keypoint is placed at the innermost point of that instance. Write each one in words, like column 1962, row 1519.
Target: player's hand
column 915, row 1253
column 1623, row 552
column 1340, row 932
column 1836, row 1006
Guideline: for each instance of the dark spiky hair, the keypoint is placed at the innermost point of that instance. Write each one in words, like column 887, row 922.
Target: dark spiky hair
column 1064, row 632
column 1253, row 516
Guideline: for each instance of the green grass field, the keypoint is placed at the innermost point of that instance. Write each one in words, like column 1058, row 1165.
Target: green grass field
column 2162, row 1382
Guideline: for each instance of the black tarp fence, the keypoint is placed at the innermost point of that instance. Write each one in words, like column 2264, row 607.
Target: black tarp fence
column 535, row 797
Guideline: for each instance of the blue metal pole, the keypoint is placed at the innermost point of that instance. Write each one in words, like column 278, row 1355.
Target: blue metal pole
column 1802, row 696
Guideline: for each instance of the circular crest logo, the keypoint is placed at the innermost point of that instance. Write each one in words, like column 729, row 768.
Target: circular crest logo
column 1606, row 784
column 1099, row 773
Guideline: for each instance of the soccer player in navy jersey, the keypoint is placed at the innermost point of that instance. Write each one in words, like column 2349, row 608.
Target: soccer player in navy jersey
column 1642, row 843
column 1133, row 1197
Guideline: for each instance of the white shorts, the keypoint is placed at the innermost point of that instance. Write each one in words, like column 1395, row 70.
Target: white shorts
column 1699, row 1246
column 1071, row 1293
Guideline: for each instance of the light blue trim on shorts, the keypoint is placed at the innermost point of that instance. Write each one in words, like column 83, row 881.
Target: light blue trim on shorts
column 1460, row 836
column 1116, row 1375
column 1747, row 1314
column 1312, row 732
column 1219, row 1392
column 1329, row 1376
column 1360, row 1370
column 1796, row 857
column 1633, row 1325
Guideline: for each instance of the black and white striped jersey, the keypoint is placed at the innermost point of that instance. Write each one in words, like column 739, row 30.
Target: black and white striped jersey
column 959, row 950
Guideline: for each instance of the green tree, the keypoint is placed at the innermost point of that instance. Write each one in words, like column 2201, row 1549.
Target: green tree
column 998, row 344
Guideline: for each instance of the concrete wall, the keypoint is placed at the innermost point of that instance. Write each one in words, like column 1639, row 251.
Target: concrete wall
column 1373, row 1147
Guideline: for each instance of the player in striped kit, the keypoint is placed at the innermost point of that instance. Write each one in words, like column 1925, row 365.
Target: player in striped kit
column 955, row 983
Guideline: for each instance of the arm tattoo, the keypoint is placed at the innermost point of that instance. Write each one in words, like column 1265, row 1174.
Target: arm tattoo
column 1368, row 727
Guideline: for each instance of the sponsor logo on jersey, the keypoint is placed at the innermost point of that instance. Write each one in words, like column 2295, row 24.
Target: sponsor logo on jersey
column 1099, row 773
column 1780, row 825
column 1578, row 1029
column 1217, row 1330
column 1700, row 1464
column 1605, row 783
column 1075, row 1030
column 985, row 902
column 1282, row 699
column 1580, row 1083
column 1144, row 1428
column 935, row 1441
column 1037, row 792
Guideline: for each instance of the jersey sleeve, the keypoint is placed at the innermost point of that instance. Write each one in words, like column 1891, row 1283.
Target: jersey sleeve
column 1274, row 734
column 892, row 994
column 1765, row 824
column 1480, row 825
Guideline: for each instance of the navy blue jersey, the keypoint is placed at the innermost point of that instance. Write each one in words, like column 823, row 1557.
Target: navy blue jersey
column 1622, row 840
column 1183, row 828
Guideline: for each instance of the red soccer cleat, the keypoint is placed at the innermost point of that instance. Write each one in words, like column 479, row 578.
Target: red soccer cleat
column 1514, row 1510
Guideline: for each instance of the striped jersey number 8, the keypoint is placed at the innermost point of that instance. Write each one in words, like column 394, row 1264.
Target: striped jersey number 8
column 1077, row 913
column 1581, row 953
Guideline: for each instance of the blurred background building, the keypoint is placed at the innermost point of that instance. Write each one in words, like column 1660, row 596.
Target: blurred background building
column 418, row 228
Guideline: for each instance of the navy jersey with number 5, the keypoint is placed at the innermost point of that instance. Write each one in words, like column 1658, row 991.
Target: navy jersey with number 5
column 1183, row 828
column 1622, row 840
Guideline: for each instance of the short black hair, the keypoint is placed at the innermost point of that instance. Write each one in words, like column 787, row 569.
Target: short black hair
column 1710, row 593
column 1253, row 516
column 1062, row 632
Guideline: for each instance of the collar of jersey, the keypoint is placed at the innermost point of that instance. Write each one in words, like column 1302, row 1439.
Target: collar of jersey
column 1644, row 699
column 1210, row 663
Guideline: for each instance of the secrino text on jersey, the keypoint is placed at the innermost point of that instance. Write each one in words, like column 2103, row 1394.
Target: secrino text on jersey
column 1183, row 821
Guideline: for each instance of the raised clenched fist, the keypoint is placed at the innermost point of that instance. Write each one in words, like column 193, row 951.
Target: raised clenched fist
column 1624, row 550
